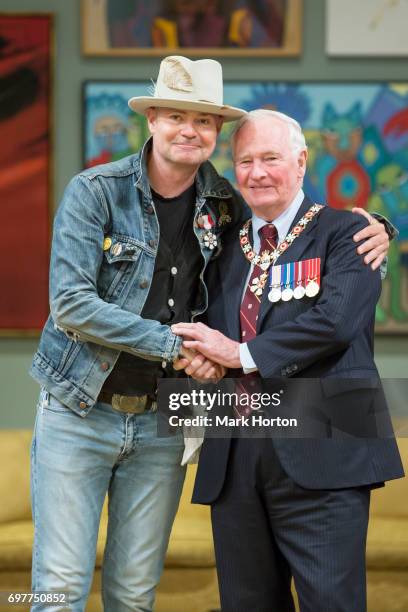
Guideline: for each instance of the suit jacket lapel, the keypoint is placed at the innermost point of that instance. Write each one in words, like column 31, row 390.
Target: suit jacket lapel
column 234, row 268
column 294, row 253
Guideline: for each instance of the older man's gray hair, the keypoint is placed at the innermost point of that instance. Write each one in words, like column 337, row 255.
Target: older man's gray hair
column 296, row 136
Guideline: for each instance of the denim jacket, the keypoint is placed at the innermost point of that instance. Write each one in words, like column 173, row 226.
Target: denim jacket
column 106, row 235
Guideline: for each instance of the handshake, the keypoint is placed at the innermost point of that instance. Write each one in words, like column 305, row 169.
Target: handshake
column 206, row 353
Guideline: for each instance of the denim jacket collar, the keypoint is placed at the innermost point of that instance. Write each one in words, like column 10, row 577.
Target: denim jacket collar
column 208, row 182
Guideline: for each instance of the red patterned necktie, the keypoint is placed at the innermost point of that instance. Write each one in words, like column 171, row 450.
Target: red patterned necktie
column 250, row 304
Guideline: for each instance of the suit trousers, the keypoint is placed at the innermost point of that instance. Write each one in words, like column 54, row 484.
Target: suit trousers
column 267, row 529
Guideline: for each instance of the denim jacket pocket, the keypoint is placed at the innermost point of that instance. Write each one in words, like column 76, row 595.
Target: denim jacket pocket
column 70, row 352
column 119, row 264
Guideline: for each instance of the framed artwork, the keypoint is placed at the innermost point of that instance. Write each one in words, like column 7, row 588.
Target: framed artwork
column 252, row 28
column 25, row 170
column 367, row 28
column 357, row 135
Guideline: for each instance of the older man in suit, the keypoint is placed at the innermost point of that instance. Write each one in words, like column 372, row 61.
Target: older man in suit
column 290, row 297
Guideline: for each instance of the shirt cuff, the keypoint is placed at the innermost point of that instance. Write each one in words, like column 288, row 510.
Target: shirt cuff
column 384, row 268
column 245, row 357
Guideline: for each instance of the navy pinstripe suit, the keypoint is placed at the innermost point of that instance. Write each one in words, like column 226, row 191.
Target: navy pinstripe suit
column 298, row 507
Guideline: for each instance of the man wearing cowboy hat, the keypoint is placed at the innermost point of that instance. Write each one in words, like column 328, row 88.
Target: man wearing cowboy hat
column 131, row 242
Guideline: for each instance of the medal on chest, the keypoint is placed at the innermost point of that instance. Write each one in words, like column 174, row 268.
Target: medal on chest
column 296, row 279
column 275, row 292
column 299, row 290
column 313, row 277
column 288, row 282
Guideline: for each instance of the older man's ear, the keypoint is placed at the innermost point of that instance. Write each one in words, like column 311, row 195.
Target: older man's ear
column 302, row 160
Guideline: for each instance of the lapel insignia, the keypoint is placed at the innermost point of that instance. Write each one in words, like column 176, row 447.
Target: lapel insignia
column 265, row 260
column 116, row 249
column 205, row 222
column 210, row 240
column 224, row 216
column 258, row 284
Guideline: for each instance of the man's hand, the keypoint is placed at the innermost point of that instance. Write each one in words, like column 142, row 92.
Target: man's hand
column 211, row 343
column 198, row 367
column 376, row 240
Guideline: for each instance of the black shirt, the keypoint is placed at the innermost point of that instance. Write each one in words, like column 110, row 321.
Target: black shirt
column 174, row 215
column 172, row 294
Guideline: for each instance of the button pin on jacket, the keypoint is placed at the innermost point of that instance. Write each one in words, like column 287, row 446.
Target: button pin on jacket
column 107, row 243
column 116, row 249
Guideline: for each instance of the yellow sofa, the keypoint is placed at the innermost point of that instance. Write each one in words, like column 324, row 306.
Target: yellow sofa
column 189, row 581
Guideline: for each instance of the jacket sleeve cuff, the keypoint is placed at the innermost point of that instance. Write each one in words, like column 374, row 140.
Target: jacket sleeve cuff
column 173, row 347
column 391, row 230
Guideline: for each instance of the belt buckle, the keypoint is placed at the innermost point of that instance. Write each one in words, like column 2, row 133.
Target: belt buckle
column 125, row 403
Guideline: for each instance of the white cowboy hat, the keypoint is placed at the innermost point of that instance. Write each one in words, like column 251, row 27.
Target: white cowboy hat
column 187, row 85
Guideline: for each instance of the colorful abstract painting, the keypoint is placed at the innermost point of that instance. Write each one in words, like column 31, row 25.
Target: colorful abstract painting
column 25, row 49
column 197, row 27
column 357, row 137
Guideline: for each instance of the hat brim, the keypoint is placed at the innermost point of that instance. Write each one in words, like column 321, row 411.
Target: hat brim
column 228, row 113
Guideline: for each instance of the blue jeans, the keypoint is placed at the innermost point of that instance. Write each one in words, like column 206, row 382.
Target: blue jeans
column 75, row 462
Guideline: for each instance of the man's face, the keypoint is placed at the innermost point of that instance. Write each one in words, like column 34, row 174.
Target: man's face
column 184, row 138
column 268, row 173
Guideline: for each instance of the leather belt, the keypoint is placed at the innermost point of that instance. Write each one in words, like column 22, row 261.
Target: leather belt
column 134, row 404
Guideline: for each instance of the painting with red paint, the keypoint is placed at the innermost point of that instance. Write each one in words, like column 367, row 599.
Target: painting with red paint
column 25, row 55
